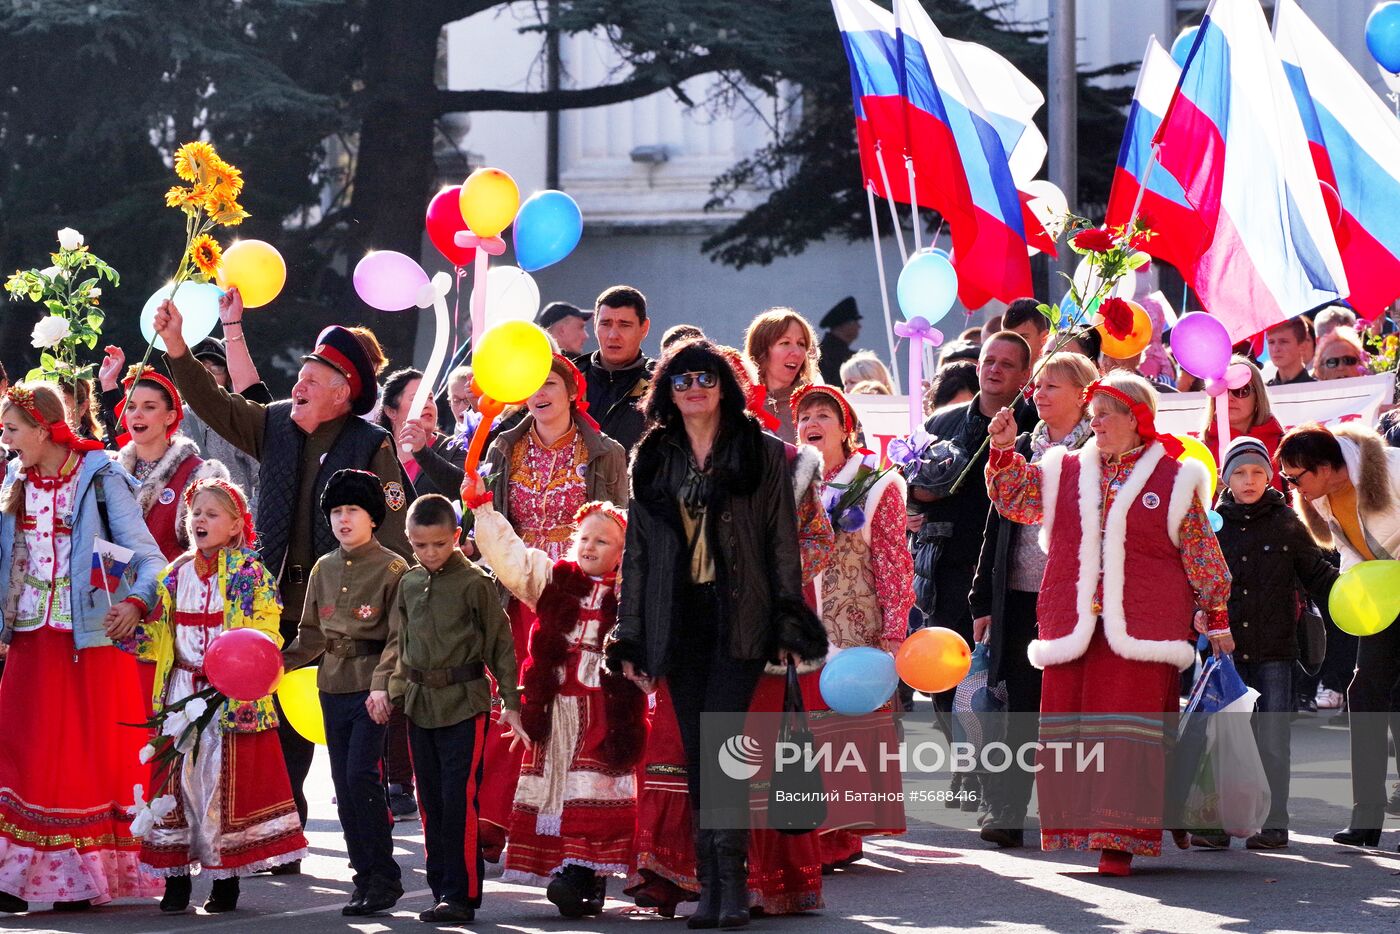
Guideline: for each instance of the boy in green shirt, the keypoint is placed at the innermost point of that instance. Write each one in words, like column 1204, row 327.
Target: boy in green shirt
column 447, row 629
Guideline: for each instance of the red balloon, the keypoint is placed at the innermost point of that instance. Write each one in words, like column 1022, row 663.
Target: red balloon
column 243, row 664
column 444, row 222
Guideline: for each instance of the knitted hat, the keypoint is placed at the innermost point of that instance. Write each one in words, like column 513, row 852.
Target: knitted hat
column 355, row 488
column 1245, row 450
column 339, row 349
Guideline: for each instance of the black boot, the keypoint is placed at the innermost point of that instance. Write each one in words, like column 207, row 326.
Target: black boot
column 177, row 894
column 1364, row 829
column 9, row 904
column 732, row 864
column 593, row 905
column 223, row 896
column 707, row 913
column 1005, row 828
column 570, row 890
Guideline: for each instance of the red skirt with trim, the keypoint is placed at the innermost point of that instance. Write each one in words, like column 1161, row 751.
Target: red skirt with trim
column 497, row 795
column 67, row 771
column 665, row 836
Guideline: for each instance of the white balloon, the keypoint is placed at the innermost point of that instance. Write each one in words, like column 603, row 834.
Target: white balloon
column 511, row 295
column 1391, row 79
column 1046, row 198
column 1124, row 288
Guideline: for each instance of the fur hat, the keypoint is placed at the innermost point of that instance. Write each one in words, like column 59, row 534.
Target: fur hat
column 355, row 488
column 1245, row 450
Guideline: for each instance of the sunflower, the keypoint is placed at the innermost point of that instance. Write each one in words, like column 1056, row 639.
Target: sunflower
column 193, row 160
column 225, row 180
column 206, row 255
column 224, row 211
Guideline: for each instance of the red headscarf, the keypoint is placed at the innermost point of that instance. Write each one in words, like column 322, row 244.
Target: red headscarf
column 1146, row 425
column 601, row 509
column 250, row 535
column 60, row 431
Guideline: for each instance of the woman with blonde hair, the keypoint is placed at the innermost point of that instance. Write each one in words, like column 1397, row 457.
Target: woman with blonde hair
column 1339, row 354
column 1007, row 584
column 781, row 343
column 866, row 367
column 1249, row 414
column 1131, row 559
column 67, row 764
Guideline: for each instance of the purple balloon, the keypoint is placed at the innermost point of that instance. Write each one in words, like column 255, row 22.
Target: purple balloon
column 1201, row 345
column 389, row 281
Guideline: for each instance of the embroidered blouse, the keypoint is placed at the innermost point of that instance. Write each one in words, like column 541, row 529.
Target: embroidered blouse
column 891, row 561
column 46, row 592
column 1015, row 490
column 546, row 489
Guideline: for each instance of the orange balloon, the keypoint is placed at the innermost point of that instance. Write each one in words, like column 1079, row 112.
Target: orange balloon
column 933, row 660
column 1138, row 338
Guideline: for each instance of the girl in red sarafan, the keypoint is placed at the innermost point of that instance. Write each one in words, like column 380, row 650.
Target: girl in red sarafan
column 575, row 807
column 227, row 805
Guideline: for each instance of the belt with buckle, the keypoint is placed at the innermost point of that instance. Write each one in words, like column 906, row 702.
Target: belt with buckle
column 295, row 574
column 353, row 648
column 442, row 677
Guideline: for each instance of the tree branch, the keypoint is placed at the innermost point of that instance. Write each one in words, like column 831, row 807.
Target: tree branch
column 639, row 85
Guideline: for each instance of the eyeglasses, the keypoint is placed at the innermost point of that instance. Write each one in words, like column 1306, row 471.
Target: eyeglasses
column 1244, row 392
column 680, row 382
column 1293, row 479
column 1333, row 363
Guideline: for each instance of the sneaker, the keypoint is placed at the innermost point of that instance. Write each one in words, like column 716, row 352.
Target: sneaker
column 1328, row 699
column 403, row 807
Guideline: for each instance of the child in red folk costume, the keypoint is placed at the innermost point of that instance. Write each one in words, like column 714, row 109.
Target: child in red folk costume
column 1132, row 559
column 227, row 804
column 866, row 593
column 574, row 815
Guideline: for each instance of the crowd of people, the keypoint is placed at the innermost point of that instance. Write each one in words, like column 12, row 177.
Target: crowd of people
column 665, row 538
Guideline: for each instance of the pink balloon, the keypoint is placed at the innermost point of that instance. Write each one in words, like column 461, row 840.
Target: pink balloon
column 388, row 280
column 1201, row 345
column 243, row 664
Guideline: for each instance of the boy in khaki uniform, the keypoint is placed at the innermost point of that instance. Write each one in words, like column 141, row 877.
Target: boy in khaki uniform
column 345, row 623
column 447, row 630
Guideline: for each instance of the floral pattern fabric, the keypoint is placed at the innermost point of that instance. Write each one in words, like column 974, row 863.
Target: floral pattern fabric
column 546, row 488
column 46, row 590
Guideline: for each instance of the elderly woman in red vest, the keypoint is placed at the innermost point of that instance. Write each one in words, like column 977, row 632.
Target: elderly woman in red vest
column 1132, row 559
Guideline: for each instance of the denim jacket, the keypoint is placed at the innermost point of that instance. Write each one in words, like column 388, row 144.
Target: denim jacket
column 128, row 529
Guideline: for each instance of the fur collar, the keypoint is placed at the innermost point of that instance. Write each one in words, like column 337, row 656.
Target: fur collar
column 180, row 450
column 658, row 464
column 1367, row 466
column 806, row 468
column 624, row 705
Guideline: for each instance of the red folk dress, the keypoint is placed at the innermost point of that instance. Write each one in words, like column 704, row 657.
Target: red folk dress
column 1115, row 627
column 68, row 768
column 547, row 488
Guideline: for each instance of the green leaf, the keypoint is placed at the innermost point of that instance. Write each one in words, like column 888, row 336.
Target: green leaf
column 35, row 375
column 94, row 320
column 1138, row 260
column 47, row 361
column 91, row 341
column 1051, row 312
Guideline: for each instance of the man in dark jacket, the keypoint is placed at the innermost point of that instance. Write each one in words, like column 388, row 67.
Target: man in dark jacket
column 617, row 373
column 299, row 444
column 948, row 565
column 842, row 326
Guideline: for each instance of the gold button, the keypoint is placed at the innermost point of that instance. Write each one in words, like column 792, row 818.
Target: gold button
column 345, row 590
column 348, row 562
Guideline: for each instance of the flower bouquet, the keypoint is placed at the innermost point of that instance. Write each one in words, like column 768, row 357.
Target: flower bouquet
column 842, row 501
column 70, row 291
column 177, row 726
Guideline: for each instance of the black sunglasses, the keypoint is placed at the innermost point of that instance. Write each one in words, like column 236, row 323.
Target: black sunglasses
column 680, row 382
column 1332, row 363
column 1293, row 479
column 1244, row 392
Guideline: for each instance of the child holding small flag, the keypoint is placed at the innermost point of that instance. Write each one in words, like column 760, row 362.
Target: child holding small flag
column 230, row 806
column 66, row 688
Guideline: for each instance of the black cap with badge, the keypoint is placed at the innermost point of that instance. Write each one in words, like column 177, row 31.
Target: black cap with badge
column 211, row 348
column 555, row 312
column 840, row 313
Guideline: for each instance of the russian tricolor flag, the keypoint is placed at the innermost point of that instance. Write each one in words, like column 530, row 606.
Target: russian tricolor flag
column 1181, row 235
column 1355, row 143
column 913, row 97
column 1233, row 138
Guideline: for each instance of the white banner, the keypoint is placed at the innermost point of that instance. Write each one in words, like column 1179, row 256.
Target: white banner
column 1361, row 398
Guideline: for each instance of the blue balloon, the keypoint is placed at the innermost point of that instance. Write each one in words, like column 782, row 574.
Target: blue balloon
column 1181, row 48
column 927, row 288
column 547, row 228
column 1383, row 35
column 858, row 680
column 1217, row 521
column 198, row 303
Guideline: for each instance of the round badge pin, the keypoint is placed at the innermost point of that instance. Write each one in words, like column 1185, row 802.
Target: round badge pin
column 1151, row 500
column 167, row 496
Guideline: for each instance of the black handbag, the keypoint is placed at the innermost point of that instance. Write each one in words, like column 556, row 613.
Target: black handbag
column 796, row 803
column 1312, row 642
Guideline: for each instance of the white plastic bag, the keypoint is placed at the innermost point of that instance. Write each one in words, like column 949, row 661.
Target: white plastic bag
column 1240, row 783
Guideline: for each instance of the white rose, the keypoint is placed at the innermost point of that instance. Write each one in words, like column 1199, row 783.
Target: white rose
column 49, row 332
column 69, row 239
column 142, row 822
column 175, row 723
column 51, row 272
column 163, row 806
column 147, row 753
column 195, row 709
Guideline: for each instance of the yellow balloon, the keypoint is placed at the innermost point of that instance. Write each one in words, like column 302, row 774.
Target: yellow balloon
column 1366, row 597
column 489, row 200
column 256, row 268
column 301, row 704
column 512, row 362
column 1196, row 451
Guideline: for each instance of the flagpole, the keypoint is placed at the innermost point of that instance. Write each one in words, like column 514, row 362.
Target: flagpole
column 884, row 289
column 889, row 197
column 913, row 202
column 1142, row 186
column 106, row 578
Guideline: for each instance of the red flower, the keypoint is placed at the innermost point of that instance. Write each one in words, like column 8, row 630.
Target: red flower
column 1117, row 318
column 1095, row 240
